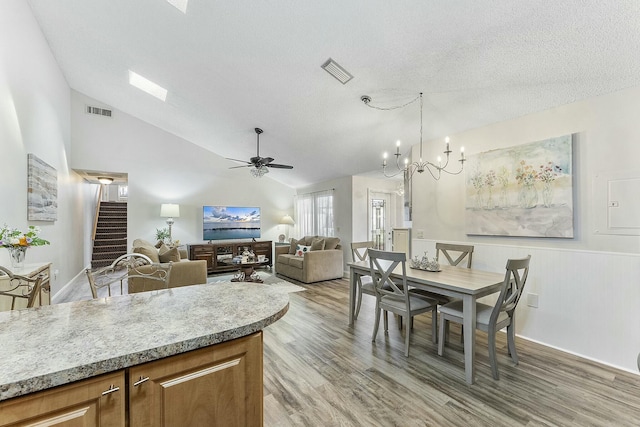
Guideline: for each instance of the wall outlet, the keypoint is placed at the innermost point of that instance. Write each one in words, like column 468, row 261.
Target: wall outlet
column 532, row 300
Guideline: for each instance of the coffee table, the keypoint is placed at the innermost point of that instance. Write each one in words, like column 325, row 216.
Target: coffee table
column 247, row 272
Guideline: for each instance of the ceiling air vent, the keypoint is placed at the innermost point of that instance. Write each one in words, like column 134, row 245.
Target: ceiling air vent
column 98, row 111
column 333, row 68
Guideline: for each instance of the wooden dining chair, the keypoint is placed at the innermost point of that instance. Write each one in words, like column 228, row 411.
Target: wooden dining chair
column 364, row 284
column 454, row 254
column 394, row 297
column 124, row 268
column 21, row 287
column 491, row 319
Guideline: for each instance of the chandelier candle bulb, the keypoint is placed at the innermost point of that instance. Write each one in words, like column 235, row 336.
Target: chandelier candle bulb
column 446, row 141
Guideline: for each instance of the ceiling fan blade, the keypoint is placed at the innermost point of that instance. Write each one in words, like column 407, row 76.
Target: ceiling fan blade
column 243, row 166
column 267, row 160
column 277, row 166
column 236, row 160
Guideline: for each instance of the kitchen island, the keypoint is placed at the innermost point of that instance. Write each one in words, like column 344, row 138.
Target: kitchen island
column 195, row 338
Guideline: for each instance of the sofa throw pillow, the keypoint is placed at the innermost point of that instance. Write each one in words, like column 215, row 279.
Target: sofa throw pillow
column 317, row 244
column 293, row 246
column 302, row 249
column 170, row 255
column 331, row 242
column 145, row 248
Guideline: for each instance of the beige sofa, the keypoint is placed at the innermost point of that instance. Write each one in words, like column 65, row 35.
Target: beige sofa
column 184, row 272
column 322, row 259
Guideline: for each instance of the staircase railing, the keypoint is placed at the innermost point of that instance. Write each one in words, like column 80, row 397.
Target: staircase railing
column 97, row 214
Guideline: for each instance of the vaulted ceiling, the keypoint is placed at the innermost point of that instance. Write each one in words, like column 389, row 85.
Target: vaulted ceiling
column 231, row 66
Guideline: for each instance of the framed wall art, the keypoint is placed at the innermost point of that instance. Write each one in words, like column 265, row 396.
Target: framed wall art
column 42, row 190
column 524, row 190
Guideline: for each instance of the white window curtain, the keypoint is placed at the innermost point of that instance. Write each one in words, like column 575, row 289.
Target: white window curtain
column 314, row 214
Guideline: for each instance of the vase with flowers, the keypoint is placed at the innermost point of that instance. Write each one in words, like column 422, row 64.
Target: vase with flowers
column 18, row 242
column 526, row 177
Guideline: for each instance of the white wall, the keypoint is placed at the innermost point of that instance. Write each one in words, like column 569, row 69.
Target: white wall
column 34, row 118
column 163, row 168
column 588, row 290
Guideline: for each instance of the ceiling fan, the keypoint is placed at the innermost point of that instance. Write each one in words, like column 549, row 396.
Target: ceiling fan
column 259, row 163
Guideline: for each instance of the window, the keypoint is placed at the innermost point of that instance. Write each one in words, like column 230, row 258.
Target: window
column 314, row 214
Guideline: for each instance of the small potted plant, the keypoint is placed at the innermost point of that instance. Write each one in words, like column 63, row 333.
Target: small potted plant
column 162, row 234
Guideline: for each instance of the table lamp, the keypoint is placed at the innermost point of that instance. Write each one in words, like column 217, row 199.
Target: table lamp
column 170, row 211
column 287, row 220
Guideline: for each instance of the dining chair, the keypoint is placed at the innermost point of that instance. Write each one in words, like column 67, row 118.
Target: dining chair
column 123, row 269
column 450, row 250
column 364, row 284
column 395, row 297
column 454, row 255
column 491, row 319
column 21, row 287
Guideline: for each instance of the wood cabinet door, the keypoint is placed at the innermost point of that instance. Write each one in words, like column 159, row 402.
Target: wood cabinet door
column 219, row 385
column 86, row 403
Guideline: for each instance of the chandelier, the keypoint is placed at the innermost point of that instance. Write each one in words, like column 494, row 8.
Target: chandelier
column 408, row 169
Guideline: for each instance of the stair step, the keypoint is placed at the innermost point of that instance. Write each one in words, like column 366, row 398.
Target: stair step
column 110, row 242
column 99, row 256
column 110, row 249
column 109, row 230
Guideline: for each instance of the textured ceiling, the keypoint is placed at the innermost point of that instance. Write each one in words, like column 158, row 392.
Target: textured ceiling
column 231, row 66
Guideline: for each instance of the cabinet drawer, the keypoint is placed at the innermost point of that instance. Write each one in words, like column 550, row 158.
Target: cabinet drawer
column 201, row 250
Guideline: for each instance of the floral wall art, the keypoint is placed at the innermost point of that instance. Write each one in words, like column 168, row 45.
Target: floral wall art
column 42, row 191
column 525, row 190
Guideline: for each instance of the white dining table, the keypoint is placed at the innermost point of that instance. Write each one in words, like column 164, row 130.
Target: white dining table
column 464, row 283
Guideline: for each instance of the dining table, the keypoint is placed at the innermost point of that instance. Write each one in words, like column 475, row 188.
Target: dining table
column 466, row 284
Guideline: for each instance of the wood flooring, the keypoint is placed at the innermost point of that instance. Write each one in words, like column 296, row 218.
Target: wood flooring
column 318, row 371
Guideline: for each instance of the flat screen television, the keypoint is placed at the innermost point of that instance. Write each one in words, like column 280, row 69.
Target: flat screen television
column 230, row 222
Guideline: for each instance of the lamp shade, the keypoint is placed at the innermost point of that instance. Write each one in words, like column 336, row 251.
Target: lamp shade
column 287, row 220
column 170, row 210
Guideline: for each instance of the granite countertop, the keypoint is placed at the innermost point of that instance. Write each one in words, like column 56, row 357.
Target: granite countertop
column 53, row 345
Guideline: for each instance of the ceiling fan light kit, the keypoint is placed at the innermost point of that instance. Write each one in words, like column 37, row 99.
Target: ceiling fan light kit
column 260, row 165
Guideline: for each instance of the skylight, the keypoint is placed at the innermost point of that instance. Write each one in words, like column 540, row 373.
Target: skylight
column 147, row 85
column 181, row 5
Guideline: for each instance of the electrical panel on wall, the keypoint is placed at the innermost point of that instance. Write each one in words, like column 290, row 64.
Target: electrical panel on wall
column 616, row 203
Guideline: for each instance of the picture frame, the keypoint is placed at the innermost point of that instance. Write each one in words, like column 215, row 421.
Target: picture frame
column 521, row 191
column 42, row 190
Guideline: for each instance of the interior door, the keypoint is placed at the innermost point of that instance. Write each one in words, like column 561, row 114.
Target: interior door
column 380, row 213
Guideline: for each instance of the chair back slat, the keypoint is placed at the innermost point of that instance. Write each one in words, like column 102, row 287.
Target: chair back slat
column 360, row 250
column 450, row 251
column 22, row 287
column 381, row 266
column 515, row 279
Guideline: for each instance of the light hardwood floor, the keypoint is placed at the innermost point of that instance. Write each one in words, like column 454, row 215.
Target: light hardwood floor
column 321, row 372
column 318, row 371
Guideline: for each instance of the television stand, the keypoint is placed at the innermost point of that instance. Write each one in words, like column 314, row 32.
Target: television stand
column 219, row 254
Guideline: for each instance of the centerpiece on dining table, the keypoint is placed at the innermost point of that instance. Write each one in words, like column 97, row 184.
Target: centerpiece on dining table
column 18, row 242
column 425, row 263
